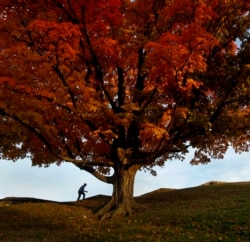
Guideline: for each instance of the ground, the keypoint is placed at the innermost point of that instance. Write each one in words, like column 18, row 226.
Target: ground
column 214, row 212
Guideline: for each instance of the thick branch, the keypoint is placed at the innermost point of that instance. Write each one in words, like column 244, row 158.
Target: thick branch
column 98, row 69
column 95, row 173
column 173, row 117
column 56, row 68
column 141, row 76
column 149, row 99
column 40, row 96
column 48, row 145
column 121, row 88
column 222, row 103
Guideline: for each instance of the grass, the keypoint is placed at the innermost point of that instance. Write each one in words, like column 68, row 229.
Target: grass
column 213, row 212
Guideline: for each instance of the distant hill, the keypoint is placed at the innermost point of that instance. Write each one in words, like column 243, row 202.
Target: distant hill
column 214, row 211
column 156, row 194
column 213, row 183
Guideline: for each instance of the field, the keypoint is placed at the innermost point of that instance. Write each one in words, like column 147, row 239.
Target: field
column 211, row 212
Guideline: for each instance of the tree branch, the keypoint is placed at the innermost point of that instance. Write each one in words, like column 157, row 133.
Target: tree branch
column 95, row 173
column 223, row 102
column 48, row 145
column 56, row 68
column 121, row 88
column 98, row 69
column 141, row 76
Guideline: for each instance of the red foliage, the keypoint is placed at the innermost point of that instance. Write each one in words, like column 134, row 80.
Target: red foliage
column 81, row 80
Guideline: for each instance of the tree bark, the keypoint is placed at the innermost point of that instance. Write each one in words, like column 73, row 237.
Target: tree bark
column 122, row 202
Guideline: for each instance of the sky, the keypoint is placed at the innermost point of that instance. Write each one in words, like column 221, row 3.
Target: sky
column 61, row 183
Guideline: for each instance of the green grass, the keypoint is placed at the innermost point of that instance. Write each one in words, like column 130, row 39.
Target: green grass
column 217, row 212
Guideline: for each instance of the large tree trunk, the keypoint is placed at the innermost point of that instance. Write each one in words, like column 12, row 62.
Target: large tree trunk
column 122, row 202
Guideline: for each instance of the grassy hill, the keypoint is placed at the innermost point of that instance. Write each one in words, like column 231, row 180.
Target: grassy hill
column 211, row 212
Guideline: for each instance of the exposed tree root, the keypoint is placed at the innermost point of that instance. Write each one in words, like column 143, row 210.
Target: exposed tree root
column 125, row 208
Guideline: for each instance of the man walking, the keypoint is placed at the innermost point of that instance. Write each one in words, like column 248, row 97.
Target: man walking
column 82, row 191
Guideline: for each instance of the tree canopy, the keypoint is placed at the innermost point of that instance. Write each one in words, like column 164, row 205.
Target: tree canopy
column 123, row 85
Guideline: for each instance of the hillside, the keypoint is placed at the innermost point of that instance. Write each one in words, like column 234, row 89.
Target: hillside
column 210, row 212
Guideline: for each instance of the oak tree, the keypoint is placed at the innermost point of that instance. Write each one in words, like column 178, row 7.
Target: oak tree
column 115, row 86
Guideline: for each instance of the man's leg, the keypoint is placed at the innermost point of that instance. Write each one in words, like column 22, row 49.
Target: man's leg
column 79, row 195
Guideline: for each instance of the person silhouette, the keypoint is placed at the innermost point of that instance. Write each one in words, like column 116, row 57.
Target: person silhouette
column 82, row 191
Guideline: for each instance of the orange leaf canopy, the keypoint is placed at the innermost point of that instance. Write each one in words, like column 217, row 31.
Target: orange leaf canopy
column 84, row 81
